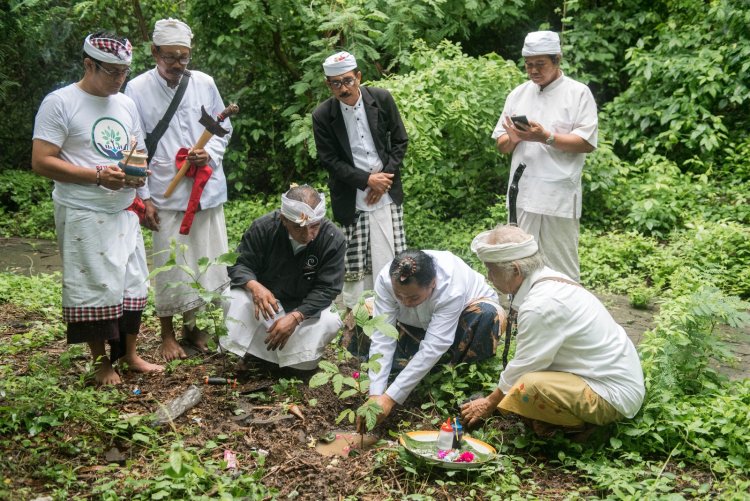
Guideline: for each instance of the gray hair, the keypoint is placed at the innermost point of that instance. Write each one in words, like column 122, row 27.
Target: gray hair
column 506, row 234
column 305, row 194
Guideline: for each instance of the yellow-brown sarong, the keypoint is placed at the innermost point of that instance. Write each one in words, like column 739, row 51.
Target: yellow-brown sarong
column 559, row 398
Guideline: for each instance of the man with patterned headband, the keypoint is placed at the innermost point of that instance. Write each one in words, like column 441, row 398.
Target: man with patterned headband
column 574, row 367
column 362, row 142
column 153, row 93
column 80, row 133
column 289, row 270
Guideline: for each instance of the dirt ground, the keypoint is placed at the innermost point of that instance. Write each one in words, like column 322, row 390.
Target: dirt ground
column 255, row 417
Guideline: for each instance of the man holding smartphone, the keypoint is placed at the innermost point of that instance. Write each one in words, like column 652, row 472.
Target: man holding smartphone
column 549, row 123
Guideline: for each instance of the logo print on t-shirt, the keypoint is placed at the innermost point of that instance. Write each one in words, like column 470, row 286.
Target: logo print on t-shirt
column 110, row 137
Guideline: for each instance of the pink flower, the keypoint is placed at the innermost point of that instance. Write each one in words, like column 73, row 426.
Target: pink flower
column 355, row 375
column 465, row 457
column 442, row 454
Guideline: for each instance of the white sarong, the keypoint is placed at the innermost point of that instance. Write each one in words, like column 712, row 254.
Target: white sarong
column 104, row 263
column 207, row 238
column 303, row 350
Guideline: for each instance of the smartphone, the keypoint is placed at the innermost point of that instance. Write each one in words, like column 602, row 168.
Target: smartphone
column 520, row 120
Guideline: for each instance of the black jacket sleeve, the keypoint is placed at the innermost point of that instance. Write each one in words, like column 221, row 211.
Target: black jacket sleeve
column 252, row 254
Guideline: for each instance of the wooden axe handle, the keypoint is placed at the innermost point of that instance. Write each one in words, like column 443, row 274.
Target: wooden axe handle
column 230, row 110
column 205, row 137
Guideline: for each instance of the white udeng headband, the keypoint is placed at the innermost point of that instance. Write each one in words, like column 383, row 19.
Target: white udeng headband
column 301, row 213
column 172, row 32
column 502, row 253
column 124, row 53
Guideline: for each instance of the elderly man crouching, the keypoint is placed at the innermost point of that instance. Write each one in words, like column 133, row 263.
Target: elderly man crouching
column 289, row 270
column 574, row 366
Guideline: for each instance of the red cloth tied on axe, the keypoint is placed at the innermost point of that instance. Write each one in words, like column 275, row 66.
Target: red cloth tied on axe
column 199, row 174
column 200, row 177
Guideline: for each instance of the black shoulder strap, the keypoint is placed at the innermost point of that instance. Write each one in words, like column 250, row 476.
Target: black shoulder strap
column 153, row 137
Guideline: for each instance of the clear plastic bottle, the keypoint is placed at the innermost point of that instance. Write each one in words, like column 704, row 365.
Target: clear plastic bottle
column 279, row 314
column 445, row 436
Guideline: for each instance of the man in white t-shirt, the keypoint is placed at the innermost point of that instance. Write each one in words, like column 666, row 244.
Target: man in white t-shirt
column 560, row 127
column 168, row 217
column 80, row 134
column 574, row 366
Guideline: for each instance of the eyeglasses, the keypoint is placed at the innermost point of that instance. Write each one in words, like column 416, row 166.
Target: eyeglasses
column 173, row 59
column 346, row 82
column 538, row 65
column 113, row 73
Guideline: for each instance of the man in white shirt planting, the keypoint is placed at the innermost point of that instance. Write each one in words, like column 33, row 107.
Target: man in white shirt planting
column 445, row 313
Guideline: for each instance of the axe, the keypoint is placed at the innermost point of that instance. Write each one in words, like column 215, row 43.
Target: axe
column 212, row 129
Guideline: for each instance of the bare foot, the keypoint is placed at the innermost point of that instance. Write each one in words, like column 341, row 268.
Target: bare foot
column 105, row 374
column 137, row 364
column 171, row 349
column 196, row 337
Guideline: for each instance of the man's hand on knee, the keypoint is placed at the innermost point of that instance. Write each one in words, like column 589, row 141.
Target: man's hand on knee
column 280, row 332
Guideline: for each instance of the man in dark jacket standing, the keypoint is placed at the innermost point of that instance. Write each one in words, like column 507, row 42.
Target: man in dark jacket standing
column 362, row 141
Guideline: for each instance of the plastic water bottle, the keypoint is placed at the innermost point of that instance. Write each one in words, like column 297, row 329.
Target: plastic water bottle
column 445, row 436
column 269, row 322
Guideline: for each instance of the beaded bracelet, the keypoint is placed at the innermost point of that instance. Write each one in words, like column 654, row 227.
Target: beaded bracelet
column 99, row 169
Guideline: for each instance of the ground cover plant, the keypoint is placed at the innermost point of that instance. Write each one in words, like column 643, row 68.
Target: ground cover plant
column 664, row 229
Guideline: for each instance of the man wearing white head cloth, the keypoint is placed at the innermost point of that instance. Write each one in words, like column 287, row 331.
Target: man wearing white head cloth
column 154, row 92
column 361, row 142
column 289, row 270
column 574, row 366
column 549, row 123
column 80, row 134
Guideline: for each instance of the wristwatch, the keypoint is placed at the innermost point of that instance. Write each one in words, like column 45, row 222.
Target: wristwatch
column 551, row 139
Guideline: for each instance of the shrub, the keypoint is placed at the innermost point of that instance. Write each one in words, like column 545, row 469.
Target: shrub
column 26, row 207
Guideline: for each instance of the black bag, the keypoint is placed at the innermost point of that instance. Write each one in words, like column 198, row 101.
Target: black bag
column 153, row 137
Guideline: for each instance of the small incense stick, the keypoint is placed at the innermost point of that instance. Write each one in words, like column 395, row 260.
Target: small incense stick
column 133, row 144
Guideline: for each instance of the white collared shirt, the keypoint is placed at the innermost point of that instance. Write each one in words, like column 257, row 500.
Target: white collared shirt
column 565, row 328
column 551, row 183
column 152, row 96
column 364, row 154
column 456, row 286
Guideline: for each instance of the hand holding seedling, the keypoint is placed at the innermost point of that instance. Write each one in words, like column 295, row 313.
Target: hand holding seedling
column 386, row 404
